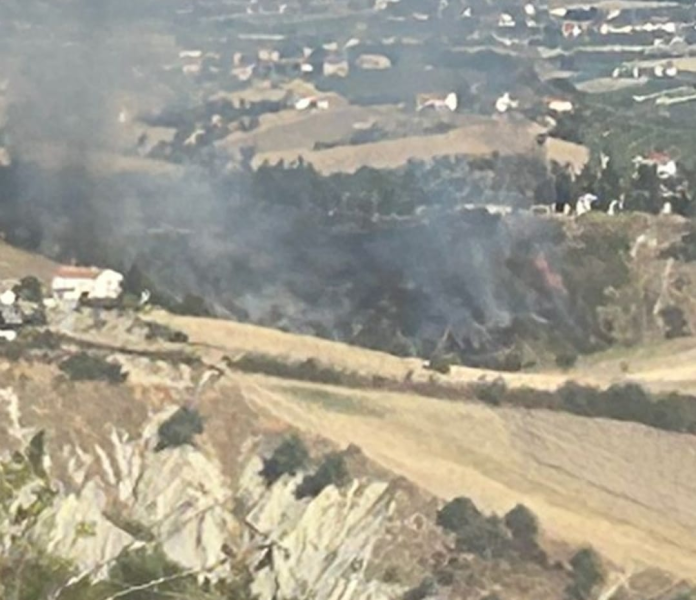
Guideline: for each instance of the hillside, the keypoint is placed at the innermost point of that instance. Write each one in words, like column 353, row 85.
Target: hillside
column 576, row 473
column 416, row 439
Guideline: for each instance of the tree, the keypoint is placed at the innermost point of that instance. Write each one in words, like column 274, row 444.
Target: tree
column 179, row 429
column 609, row 186
column 332, row 471
column 86, row 367
column 457, row 514
column 522, row 523
column 587, row 573
column 29, row 289
column 288, row 458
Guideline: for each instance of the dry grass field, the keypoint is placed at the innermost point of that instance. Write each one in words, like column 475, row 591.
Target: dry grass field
column 625, row 488
column 621, row 487
column 479, row 138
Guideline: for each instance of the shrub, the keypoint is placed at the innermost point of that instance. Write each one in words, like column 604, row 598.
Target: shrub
column 179, row 429
column 475, row 533
column 157, row 331
column 444, row 577
column 30, row 575
column 29, row 289
column 457, row 514
column 440, row 363
column 288, row 458
column 485, row 537
column 391, row 574
column 522, row 523
column 674, row 321
column 46, row 339
column 143, row 566
column 491, row 392
column 307, row 370
column 192, row 305
column 425, row 588
column 566, row 360
column 86, row 367
column 587, row 573
column 332, row 471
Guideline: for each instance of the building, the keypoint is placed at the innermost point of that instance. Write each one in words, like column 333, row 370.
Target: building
column 373, row 62
column 312, row 102
column 506, row 103
column 335, row 66
column 559, row 105
column 436, row 102
column 75, row 283
column 665, row 165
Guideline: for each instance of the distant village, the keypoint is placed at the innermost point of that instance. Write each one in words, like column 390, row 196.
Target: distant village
column 441, row 65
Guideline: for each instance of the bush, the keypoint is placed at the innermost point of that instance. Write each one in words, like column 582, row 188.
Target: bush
column 425, row 588
column 566, row 360
column 391, row 574
column 675, row 323
column 484, row 536
column 492, row 392
column 522, row 523
column 440, row 363
column 287, row 459
column 157, row 331
column 624, row 402
column 86, row 367
column 142, row 567
column 29, row 289
column 179, row 429
column 192, row 305
column 588, row 572
column 307, row 370
column 457, row 514
column 332, row 471
column 46, row 339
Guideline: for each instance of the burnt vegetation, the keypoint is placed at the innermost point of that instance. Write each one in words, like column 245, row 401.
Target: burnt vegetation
column 385, row 259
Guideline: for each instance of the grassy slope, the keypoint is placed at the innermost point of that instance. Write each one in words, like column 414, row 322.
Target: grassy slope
column 16, row 263
column 578, row 474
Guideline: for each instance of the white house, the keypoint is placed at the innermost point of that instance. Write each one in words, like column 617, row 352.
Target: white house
column 8, row 298
column 336, row 66
column 309, row 102
column 373, row 62
column 505, row 103
column 195, row 54
column 74, row 283
column 665, row 166
column 585, row 203
column 559, row 105
column 436, row 102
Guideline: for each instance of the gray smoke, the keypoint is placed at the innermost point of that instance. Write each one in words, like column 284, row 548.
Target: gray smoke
column 285, row 263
